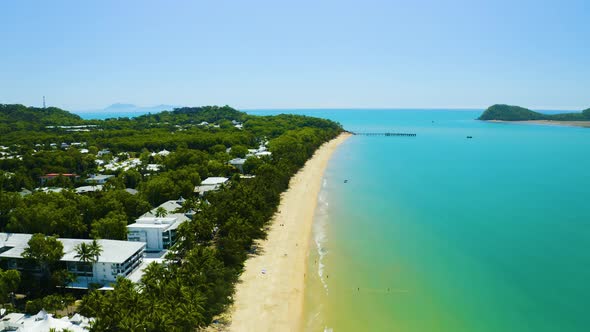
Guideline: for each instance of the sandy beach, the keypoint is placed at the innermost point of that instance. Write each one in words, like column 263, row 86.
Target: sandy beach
column 585, row 124
column 269, row 296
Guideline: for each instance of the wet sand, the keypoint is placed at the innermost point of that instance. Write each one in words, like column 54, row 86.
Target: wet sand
column 269, row 296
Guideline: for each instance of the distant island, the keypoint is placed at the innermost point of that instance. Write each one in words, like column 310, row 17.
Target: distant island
column 500, row 112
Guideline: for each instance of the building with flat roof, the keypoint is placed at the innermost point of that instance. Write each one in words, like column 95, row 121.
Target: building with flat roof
column 88, row 189
column 210, row 184
column 118, row 258
column 51, row 176
column 238, row 163
column 170, row 207
column 158, row 233
column 99, row 179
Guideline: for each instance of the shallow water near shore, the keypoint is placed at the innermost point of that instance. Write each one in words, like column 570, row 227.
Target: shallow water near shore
column 442, row 233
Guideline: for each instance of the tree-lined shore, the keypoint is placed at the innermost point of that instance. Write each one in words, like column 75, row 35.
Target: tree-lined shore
column 198, row 279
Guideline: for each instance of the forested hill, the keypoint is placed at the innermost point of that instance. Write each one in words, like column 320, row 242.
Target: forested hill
column 19, row 117
column 517, row 113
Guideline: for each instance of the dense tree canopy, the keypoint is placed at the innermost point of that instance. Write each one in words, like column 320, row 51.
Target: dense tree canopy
column 198, row 280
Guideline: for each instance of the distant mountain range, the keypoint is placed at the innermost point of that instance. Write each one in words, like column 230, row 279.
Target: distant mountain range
column 131, row 108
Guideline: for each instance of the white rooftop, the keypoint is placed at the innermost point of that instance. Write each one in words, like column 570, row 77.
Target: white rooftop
column 214, row 180
column 131, row 191
column 263, row 153
column 99, row 177
column 170, row 221
column 113, row 251
column 170, row 206
column 50, row 189
column 86, row 189
column 43, row 322
column 153, row 167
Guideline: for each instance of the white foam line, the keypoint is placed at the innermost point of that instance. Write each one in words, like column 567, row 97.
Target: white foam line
column 320, row 233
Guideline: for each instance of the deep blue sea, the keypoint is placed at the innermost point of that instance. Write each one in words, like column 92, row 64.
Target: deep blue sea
column 442, row 233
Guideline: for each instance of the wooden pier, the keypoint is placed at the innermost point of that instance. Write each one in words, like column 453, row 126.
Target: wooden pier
column 384, row 134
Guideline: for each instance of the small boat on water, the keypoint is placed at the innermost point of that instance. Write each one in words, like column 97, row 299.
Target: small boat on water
column 469, row 136
column 345, row 181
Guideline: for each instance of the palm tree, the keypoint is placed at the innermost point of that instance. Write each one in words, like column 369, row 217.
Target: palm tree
column 161, row 212
column 89, row 254
column 96, row 249
column 84, row 255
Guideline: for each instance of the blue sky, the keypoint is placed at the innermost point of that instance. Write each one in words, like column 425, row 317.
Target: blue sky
column 296, row 54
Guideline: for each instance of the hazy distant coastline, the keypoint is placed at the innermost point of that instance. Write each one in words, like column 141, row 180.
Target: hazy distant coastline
column 129, row 108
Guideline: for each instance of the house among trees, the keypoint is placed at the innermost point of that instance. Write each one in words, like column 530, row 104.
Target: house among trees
column 51, row 176
column 88, row 189
column 164, row 209
column 116, row 258
column 238, row 163
column 103, row 152
column 99, row 179
column 210, row 184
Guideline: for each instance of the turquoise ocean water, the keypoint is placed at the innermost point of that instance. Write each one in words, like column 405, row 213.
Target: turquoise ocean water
column 442, row 233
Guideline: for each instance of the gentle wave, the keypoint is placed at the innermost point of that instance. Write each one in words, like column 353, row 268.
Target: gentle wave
column 320, row 232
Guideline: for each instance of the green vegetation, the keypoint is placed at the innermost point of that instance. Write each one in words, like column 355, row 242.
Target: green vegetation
column 45, row 252
column 21, row 118
column 516, row 113
column 198, row 280
column 9, row 282
column 88, row 254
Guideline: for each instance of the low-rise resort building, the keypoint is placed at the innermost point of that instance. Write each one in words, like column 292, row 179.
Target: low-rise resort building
column 158, row 233
column 157, row 228
column 210, row 184
column 117, row 258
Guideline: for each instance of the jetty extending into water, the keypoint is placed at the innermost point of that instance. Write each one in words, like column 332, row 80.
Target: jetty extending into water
column 384, row 134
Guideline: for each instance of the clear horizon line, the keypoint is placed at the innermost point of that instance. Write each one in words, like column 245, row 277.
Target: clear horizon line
column 90, row 110
column 348, row 108
column 400, row 108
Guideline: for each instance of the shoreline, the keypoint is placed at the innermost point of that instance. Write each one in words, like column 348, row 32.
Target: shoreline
column 270, row 292
column 582, row 124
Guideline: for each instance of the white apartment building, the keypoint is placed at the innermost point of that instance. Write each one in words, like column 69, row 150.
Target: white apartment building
column 158, row 233
column 118, row 258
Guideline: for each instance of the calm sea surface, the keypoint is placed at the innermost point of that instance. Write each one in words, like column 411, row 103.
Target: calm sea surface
column 442, row 233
